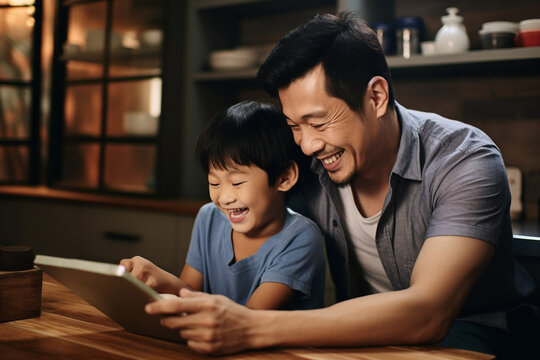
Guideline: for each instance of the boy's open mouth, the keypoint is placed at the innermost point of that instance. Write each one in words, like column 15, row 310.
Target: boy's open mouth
column 239, row 214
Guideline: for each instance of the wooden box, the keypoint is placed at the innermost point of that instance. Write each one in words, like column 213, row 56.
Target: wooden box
column 20, row 294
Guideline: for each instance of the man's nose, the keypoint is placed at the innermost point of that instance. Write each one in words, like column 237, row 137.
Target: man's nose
column 309, row 141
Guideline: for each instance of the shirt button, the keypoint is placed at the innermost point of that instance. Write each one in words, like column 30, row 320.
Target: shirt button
column 334, row 223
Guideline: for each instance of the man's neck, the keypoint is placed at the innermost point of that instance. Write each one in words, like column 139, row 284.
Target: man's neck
column 370, row 187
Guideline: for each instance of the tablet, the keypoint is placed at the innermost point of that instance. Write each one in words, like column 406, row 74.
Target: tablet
column 111, row 289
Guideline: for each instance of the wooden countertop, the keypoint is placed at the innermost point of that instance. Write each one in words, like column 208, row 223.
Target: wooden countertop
column 69, row 328
column 175, row 206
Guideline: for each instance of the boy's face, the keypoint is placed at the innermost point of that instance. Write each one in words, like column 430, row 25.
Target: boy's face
column 253, row 208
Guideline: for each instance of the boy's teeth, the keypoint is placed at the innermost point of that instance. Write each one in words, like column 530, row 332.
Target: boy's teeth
column 237, row 212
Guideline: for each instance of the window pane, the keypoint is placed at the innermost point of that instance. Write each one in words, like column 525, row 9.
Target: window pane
column 138, row 24
column 14, row 112
column 14, row 163
column 16, row 2
column 82, row 110
column 134, row 107
column 16, row 27
column 130, row 168
column 80, row 165
column 86, row 40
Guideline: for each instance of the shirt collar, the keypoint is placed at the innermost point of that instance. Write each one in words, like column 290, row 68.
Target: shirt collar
column 407, row 163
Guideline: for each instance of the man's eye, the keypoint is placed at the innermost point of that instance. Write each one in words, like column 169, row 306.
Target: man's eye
column 316, row 126
column 292, row 126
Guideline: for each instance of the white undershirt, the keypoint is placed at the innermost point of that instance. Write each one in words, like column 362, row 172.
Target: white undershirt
column 361, row 233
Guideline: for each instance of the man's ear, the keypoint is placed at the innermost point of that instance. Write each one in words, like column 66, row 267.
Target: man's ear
column 378, row 93
column 289, row 178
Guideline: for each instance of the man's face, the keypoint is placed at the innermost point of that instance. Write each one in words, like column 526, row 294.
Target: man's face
column 326, row 128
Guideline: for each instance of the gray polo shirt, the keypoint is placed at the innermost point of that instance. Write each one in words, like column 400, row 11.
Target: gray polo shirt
column 448, row 179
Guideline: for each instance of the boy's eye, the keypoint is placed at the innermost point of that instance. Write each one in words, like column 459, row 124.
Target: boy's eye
column 238, row 183
column 213, row 184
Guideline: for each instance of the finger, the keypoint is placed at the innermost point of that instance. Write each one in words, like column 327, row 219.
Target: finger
column 202, row 347
column 166, row 306
column 186, row 293
column 127, row 264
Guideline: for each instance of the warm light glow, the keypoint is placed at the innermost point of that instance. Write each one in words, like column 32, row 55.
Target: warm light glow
column 155, row 97
column 21, row 2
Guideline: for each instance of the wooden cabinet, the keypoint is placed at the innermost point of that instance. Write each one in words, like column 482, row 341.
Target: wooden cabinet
column 96, row 232
column 20, row 90
column 117, row 96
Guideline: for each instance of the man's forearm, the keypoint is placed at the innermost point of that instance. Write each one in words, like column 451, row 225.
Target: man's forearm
column 387, row 318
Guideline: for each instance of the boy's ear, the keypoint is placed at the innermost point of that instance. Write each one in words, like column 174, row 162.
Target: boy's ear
column 289, row 178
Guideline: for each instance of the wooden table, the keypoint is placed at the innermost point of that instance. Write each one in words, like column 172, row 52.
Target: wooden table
column 69, row 328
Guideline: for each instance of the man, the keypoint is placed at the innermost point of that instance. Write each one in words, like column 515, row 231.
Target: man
column 414, row 208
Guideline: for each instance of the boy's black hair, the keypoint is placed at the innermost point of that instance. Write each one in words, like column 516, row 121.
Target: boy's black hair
column 347, row 48
column 248, row 133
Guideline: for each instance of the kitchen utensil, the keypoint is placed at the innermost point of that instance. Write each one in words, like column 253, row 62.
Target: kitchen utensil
column 233, row 59
column 498, row 34
column 452, row 36
column 409, row 34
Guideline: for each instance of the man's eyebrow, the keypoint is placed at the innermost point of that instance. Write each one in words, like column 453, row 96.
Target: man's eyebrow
column 314, row 114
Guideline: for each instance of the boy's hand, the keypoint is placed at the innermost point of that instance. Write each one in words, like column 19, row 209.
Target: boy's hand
column 153, row 276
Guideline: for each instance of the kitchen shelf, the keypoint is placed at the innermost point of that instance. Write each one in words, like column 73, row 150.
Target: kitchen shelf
column 247, row 6
column 117, row 56
column 248, row 74
column 470, row 57
column 399, row 63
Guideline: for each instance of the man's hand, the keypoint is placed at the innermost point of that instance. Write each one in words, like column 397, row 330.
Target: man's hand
column 210, row 323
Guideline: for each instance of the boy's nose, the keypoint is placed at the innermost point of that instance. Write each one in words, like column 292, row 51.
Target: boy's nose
column 226, row 197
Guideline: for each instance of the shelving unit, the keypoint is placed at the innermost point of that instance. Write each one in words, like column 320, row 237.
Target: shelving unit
column 226, row 24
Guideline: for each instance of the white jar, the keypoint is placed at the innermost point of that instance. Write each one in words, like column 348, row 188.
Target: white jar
column 452, row 36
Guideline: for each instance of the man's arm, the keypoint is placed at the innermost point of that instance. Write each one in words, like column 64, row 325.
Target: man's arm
column 445, row 271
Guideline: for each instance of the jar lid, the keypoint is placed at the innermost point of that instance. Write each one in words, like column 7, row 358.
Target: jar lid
column 529, row 24
column 499, row 26
column 409, row 22
column 382, row 26
column 452, row 16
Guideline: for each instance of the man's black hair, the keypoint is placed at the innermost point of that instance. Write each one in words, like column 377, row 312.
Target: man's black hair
column 345, row 45
column 248, row 133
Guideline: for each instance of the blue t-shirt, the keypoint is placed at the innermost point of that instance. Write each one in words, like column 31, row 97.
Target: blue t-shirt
column 294, row 257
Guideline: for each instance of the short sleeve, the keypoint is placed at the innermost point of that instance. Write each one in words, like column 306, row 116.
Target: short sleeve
column 195, row 254
column 471, row 196
column 301, row 262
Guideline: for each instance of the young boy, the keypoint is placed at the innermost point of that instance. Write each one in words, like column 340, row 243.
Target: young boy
column 246, row 244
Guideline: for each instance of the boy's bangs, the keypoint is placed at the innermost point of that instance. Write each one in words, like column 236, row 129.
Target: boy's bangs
column 228, row 159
